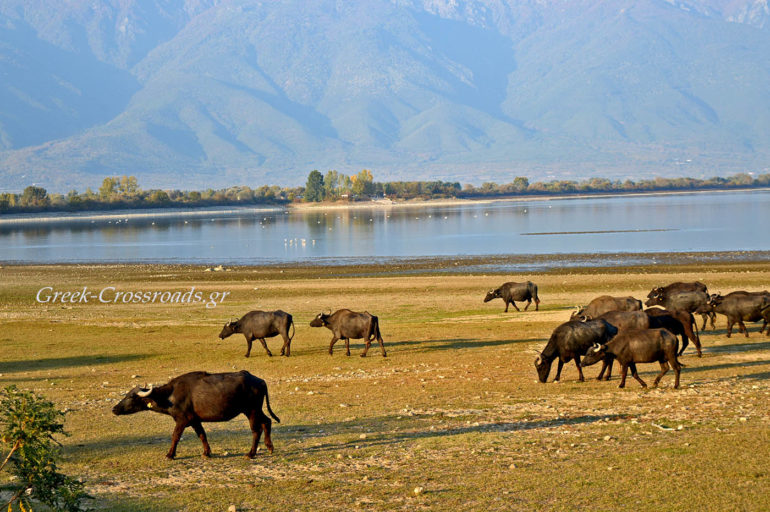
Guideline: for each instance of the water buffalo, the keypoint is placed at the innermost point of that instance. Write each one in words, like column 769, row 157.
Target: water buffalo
column 690, row 297
column 345, row 324
column 678, row 287
column 639, row 346
column 569, row 341
column 511, row 292
column 680, row 323
column 605, row 303
column 258, row 325
column 198, row 397
column 690, row 301
column 743, row 306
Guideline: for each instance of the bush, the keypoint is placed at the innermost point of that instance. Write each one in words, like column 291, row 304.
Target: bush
column 28, row 424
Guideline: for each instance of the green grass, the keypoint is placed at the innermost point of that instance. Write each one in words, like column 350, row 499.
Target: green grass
column 455, row 407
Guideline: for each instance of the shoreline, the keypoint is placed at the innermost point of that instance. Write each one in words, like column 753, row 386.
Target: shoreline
column 448, row 265
column 22, row 219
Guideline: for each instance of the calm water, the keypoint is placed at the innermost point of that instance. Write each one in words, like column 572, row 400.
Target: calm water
column 652, row 224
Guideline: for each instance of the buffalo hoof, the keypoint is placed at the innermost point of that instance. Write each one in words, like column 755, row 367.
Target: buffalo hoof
column 250, row 455
column 621, row 386
column 206, row 455
column 170, row 456
column 384, row 355
column 362, row 355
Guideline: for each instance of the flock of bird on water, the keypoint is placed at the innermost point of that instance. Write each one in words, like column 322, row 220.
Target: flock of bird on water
column 607, row 329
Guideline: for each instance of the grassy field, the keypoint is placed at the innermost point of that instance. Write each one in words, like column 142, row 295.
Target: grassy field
column 454, row 409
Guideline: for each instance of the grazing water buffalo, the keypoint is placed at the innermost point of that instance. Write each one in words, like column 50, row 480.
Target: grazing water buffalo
column 605, row 303
column 511, row 292
column 743, row 306
column 569, row 341
column 258, row 325
column 345, row 324
column 680, row 323
column 639, row 346
column 690, row 297
column 198, row 397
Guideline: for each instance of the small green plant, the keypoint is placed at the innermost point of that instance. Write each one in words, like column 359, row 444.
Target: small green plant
column 28, row 423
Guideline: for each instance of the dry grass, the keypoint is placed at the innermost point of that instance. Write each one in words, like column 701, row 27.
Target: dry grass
column 454, row 409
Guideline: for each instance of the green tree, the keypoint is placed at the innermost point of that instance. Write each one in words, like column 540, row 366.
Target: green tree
column 109, row 188
column 314, row 189
column 35, row 196
column 28, row 424
column 128, row 186
column 520, row 183
column 363, row 183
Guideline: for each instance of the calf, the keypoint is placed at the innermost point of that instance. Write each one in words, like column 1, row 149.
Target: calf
column 258, row 325
column 639, row 346
column 345, row 324
column 511, row 292
column 198, row 397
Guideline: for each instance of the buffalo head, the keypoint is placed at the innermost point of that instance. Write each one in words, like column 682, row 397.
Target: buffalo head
column 715, row 300
column 492, row 294
column 229, row 329
column 579, row 312
column 135, row 401
column 595, row 354
column 543, row 368
column 319, row 320
column 656, row 299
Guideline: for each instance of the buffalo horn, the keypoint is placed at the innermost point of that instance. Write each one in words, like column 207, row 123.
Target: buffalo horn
column 144, row 394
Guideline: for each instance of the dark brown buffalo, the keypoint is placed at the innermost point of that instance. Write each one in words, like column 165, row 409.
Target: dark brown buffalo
column 605, row 303
column 511, row 292
column 639, row 346
column 569, row 341
column 622, row 320
column 743, row 306
column 680, row 323
column 258, row 325
column 197, row 397
column 678, row 287
column 345, row 324
column 691, row 297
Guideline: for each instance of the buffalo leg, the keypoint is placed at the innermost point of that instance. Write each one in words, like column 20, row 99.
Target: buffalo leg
column 382, row 345
column 558, row 370
column 529, row 303
column 286, row 349
column 175, row 437
column 606, row 366
column 580, row 370
column 685, row 342
column 366, row 347
column 713, row 317
column 258, row 422
column 347, row 346
column 663, row 370
column 636, row 375
column 198, row 428
column 537, row 304
column 264, row 345
column 677, row 370
column 249, row 341
column 743, row 326
column 331, row 344
column 729, row 327
column 623, row 373
column 515, row 306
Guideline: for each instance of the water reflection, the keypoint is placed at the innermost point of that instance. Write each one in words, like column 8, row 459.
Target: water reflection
column 645, row 224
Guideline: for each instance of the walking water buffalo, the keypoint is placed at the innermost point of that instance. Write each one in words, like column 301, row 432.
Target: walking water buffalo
column 743, row 306
column 680, row 323
column 258, row 325
column 605, row 303
column 638, row 346
column 511, row 292
column 569, row 341
column 690, row 297
column 345, row 324
column 621, row 320
column 197, row 397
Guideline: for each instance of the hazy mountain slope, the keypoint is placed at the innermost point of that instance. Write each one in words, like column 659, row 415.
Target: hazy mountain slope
column 193, row 94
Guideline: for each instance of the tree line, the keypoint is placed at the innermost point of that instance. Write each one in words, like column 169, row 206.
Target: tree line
column 123, row 192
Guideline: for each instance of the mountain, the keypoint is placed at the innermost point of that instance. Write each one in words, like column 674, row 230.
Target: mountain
column 199, row 93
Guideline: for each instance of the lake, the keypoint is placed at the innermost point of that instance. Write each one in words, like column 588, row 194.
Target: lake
column 698, row 222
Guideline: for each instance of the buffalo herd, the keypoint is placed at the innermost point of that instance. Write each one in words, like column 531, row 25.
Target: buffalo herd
column 607, row 329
